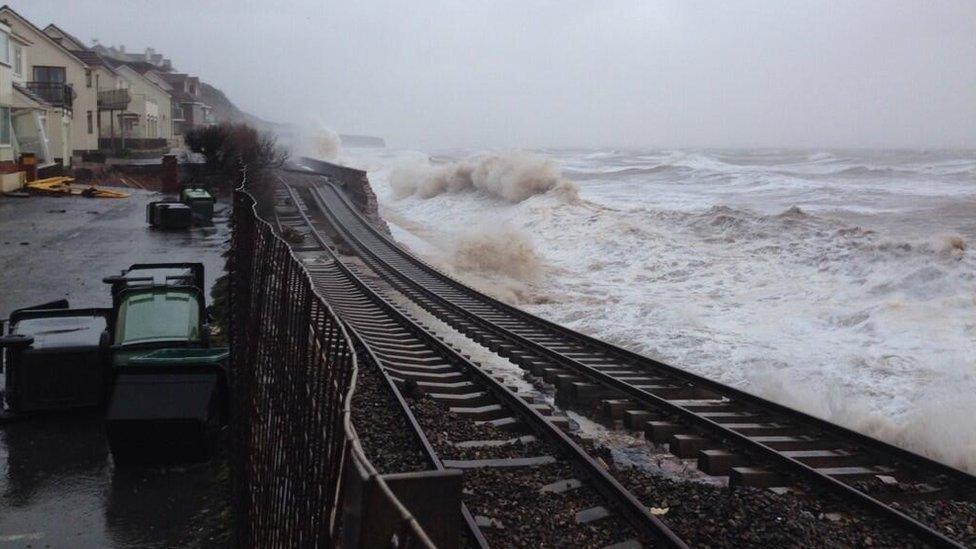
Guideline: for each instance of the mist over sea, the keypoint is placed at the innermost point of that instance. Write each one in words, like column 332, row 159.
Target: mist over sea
column 839, row 282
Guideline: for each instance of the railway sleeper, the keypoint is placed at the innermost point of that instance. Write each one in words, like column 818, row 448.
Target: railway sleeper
column 429, row 360
column 755, row 477
column 417, row 369
column 660, row 432
column 719, row 462
column 760, row 429
column 584, row 393
column 797, row 442
column 702, row 405
column 426, row 376
column 592, row 515
column 415, row 348
column 479, row 398
column 497, row 463
column 457, row 388
column 550, row 373
column 827, row 458
column 671, row 391
column 687, row 446
column 614, row 409
column 481, row 413
column 510, row 424
column 524, row 439
column 635, row 420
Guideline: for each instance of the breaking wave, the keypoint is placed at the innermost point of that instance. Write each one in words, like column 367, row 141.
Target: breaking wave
column 321, row 142
column 513, row 177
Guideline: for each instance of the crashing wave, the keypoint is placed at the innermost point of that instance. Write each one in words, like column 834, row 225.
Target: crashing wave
column 513, row 177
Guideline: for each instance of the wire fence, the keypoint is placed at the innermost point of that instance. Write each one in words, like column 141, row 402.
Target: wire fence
column 294, row 450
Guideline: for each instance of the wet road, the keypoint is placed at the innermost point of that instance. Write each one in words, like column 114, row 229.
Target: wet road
column 58, row 485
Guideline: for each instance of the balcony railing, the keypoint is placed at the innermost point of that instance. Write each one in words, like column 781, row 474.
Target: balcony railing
column 113, row 100
column 57, row 94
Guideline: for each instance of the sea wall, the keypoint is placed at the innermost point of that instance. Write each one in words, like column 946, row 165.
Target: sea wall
column 356, row 185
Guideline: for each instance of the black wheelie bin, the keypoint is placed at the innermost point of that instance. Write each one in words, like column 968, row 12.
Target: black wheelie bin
column 169, row 214
column 167, row 406
column 56, row 358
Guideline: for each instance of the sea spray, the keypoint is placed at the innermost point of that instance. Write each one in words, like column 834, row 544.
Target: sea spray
column 513, row 177
column 318, row 141
column 491, row 251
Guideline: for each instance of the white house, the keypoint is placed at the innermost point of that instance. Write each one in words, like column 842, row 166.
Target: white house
column 63, row 81
column 150, row 109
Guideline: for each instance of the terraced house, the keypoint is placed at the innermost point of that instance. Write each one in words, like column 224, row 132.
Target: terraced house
column 24, row 116
column 62, row 81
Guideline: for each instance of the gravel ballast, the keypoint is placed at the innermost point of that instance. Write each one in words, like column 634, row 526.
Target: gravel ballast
column 384, row 432
column 518, row 514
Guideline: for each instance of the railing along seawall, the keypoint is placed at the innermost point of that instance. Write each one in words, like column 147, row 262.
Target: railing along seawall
column 292, row 375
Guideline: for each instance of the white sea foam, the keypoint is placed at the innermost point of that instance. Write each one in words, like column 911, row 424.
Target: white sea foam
column 513, row 176
column 851, row 296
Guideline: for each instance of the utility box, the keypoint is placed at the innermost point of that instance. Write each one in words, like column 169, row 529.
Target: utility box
column 169, row 214
column 56, row 359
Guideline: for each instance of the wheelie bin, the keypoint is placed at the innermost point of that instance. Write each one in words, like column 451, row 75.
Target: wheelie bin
column 167, row 406
column 56, row 358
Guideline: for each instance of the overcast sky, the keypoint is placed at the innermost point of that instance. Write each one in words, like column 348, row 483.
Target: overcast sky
column 638, row 73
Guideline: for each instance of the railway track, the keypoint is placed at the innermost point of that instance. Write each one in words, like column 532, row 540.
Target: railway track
column 731, row 433
column 526, row 482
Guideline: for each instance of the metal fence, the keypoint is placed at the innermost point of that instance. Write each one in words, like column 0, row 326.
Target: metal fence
column 292, row 375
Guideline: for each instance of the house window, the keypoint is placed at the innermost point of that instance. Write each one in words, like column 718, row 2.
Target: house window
column 91, row 125
column 88, row 78
column 4, row 125
column 49, row 74
column 18, row 60
column 5, row 48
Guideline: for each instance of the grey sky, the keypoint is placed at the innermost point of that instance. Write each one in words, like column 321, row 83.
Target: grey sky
column 572, row 73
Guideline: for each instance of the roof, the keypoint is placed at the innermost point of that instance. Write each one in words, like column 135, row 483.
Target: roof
column 18, row 38
column 93, row 59
column 67, row 35
column 126, row 68
column 24, row 98
column 158, row 80
column 149, row 58
column 138, row 66
column 40, row 32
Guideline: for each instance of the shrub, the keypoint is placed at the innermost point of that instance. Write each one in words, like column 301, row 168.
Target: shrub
column 230, row 148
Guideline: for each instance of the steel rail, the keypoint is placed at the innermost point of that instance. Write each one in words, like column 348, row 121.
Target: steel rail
column 631, row 509
column 737, row 440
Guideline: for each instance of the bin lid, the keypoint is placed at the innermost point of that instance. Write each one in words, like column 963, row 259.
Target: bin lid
column 170, row 205
column 157, row 315
column 181, row 356
column 195, row 193
column 61, row 331
column 162, row 274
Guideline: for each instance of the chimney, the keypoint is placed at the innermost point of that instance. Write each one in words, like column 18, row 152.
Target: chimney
column 121, row 48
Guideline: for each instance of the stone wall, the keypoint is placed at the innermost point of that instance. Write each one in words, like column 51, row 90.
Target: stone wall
column 357, row 188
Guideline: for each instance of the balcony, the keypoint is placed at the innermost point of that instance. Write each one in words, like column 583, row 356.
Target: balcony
column 113, row 100
column 56, row 94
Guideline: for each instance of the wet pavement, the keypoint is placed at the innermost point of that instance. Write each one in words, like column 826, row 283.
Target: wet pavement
column 58, row 485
